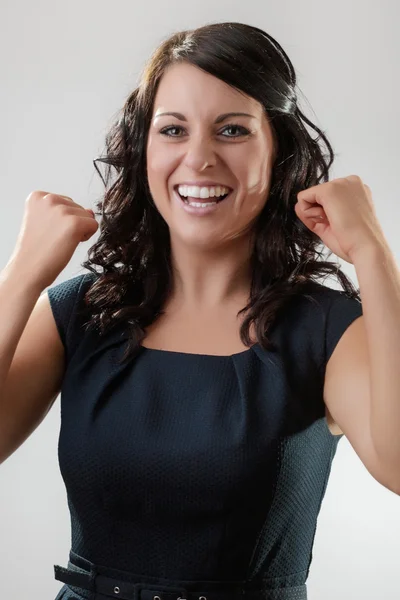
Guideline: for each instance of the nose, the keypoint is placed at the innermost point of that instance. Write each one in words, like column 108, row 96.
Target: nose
column 199, row 155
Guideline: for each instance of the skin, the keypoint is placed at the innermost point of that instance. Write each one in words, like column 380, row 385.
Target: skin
column 210, row 254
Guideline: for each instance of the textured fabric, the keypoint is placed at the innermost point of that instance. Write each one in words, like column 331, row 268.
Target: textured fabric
column 86, row 580
column 198, row 467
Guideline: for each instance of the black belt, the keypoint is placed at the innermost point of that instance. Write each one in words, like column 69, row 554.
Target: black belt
column 103, row 587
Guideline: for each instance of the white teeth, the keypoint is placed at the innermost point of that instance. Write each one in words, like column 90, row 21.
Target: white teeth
column 202, row 192
column 201, row 204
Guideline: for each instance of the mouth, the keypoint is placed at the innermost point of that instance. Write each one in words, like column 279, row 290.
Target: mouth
column 187, row 199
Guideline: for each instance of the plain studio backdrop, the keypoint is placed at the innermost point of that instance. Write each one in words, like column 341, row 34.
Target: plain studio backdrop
column 66, row 69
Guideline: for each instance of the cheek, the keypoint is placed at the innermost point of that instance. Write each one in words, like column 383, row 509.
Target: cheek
column 159, row 169
column 156, row 164
column 259, row 172
column 252, row 168
column 159, row 165
column 157, row 177
column 255, row 179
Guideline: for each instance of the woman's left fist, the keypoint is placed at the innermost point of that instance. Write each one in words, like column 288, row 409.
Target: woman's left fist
column 342, row 214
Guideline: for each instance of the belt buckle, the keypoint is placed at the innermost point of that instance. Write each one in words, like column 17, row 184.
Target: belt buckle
column 152, row 591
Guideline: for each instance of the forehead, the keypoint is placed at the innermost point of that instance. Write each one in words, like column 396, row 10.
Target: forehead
column 184, row 87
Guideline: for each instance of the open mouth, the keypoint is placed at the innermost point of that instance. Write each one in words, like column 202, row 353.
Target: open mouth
column 218, row 199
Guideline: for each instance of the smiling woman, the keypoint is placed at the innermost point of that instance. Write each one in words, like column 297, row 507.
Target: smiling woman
column 215, row 106
column 243, row 161
column 194, row 441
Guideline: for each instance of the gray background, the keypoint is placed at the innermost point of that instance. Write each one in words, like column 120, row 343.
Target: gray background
column 66, row 68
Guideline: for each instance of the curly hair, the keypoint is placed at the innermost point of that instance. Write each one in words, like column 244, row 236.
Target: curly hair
column 133, row 248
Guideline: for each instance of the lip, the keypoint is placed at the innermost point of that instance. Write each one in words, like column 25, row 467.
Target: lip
column 203, row 183
column 198, row 211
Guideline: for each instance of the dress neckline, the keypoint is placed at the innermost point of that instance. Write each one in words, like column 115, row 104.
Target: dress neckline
column 199, row 355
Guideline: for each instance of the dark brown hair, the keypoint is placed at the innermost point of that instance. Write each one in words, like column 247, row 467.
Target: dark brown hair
column 133, row 248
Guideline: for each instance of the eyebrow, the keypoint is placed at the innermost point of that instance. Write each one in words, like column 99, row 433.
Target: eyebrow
column 219, row 119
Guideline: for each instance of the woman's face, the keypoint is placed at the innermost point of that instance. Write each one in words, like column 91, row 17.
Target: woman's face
column 200, row 146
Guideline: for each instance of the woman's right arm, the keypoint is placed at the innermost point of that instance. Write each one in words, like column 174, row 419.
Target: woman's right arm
column 31, row 359
column 31, row 350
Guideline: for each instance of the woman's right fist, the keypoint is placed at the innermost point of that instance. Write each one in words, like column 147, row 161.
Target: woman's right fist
column 52, row 227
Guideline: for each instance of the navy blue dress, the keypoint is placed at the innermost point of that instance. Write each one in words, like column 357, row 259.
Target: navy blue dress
column 189, row 475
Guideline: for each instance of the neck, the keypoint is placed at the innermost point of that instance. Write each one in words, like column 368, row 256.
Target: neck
column 209, row 278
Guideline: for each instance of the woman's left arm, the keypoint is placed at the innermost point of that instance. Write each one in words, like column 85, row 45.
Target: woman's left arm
column 379, row 282
column 362, row 377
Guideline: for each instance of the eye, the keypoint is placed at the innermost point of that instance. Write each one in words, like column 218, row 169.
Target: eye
column 242, row 129
column 167, row 129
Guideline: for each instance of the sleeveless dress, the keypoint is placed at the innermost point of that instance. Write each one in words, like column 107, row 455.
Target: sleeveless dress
column 193, row 476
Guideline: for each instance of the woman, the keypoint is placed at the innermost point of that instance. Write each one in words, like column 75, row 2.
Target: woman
column 196, row 438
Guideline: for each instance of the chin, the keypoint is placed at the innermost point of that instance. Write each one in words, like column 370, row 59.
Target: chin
column 196, row 241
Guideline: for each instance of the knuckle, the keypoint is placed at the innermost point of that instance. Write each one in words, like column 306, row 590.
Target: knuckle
column 34, row 196
column 72, row 224
column 60, row 208
column 52, row 199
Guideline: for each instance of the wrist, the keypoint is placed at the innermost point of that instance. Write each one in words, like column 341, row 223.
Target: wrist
column 21, row 277
column 370, row 251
